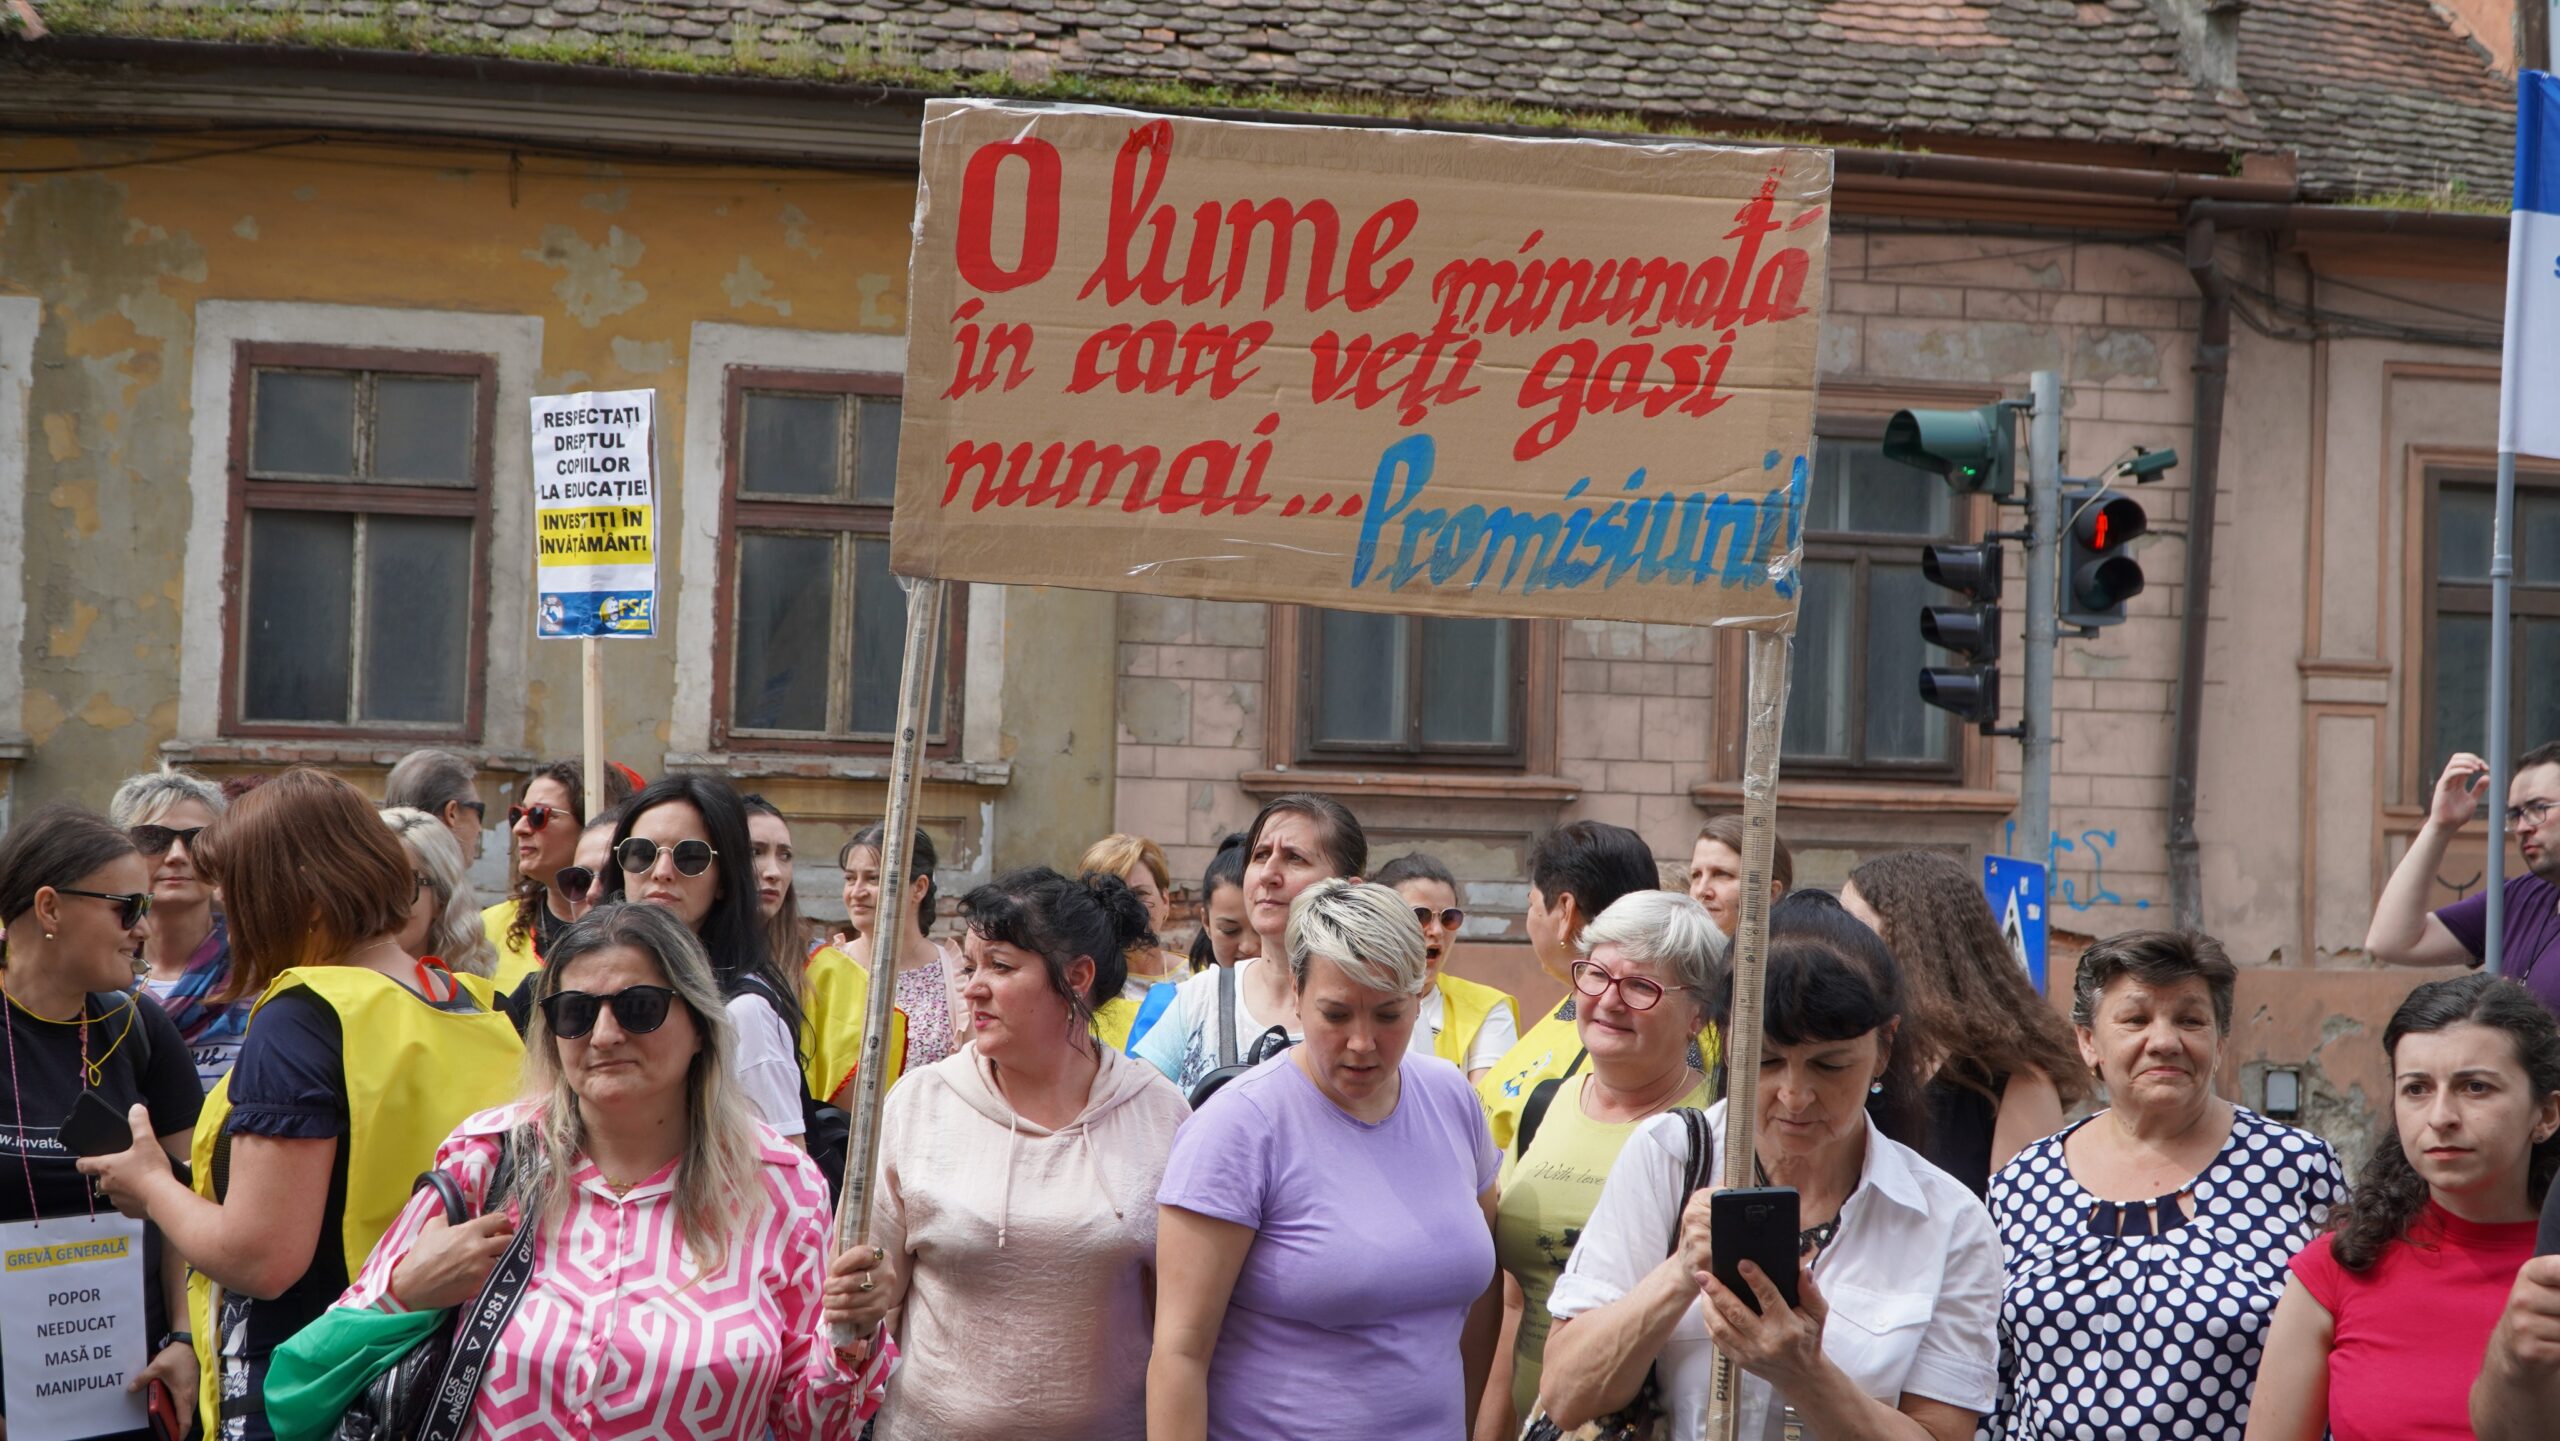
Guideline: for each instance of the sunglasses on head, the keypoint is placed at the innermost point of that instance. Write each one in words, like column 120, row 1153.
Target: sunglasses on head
column 534, row 816
column 1450, row 919
column 574, row 883
column 638, row 1010
column 638, row 853
column 154, row 841
column 131, row 907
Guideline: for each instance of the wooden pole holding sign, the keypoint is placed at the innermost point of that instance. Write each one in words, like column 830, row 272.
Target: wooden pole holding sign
column 591, row 666
column 1767, row 707
column 897, row 846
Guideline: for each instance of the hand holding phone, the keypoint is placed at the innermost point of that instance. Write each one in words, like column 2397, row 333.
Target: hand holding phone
column 96, row 1127
column 1758, row 1225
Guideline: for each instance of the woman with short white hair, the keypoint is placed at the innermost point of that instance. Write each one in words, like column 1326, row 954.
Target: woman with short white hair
column 186, row 954
column 1324, row 1240
column 444, row 919
column 1651, row 968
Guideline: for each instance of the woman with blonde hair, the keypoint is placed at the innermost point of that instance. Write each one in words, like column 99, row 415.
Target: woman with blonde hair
column 651, row 1190
column 1140, row 862
column 187, row 954
column 444, row 922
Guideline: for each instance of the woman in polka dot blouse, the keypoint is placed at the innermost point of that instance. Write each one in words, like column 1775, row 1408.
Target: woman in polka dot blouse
column 2147, row 1244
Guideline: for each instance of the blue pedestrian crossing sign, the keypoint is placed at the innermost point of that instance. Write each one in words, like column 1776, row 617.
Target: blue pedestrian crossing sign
column 2015, row 889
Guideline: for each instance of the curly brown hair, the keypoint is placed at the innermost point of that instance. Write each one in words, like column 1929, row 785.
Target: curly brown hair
column 1967, row 990
column 530, row 897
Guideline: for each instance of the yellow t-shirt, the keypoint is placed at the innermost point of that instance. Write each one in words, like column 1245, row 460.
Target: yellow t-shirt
column 1546, row 1197
column 515, row 962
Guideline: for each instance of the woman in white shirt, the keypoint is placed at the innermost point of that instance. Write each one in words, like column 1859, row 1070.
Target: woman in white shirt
column 682, row 843
column 1900, row 1281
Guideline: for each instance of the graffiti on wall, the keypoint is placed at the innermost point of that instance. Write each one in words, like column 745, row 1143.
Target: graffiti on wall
column 2063, row 859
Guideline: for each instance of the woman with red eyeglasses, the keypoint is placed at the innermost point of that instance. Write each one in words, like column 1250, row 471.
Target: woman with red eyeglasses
column 543, row 828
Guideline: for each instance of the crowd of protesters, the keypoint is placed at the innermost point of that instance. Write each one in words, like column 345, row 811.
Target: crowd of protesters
column 580, row 1150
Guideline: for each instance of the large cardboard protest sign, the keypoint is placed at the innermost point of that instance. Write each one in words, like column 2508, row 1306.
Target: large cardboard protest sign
column 1377, row 370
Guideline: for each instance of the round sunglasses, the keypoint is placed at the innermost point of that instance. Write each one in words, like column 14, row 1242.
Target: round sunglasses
column 1449, row 919
column 637, row 854
column 638, row 1010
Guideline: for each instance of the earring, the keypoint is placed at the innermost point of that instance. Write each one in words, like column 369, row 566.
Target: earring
column 1875, row 1087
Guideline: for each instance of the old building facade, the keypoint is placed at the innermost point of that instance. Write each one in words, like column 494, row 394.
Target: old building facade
column 274, row 299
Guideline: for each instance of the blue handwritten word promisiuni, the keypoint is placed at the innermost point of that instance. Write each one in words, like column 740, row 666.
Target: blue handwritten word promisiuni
column 1735, row 542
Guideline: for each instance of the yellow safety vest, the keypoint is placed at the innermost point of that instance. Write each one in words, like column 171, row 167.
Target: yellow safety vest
column 1546, row 1052
column 516, row 959
column 1112, row 1021
column 1464, row 1006
column 413, row 1073
column 831, row 1032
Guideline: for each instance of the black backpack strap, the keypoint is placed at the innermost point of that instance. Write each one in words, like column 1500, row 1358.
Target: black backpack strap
column 1701, row 1159
column 1226, row 1016
column 1533, row 1112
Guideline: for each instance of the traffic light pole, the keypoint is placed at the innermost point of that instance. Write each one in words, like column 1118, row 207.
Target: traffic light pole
column 2044, row 532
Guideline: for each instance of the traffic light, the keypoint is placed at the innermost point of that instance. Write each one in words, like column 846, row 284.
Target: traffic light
column 2099, row 573
column 1971, row 631
column 1974, row 449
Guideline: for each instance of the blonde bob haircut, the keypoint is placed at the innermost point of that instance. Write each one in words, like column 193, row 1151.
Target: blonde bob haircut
column 456, row 936
column 1117, row 855
column 720, row 1189
column 1365, row 929
column 1666, row 929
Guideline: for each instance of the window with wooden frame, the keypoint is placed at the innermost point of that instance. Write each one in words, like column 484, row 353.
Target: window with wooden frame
column 358, row 543
column 812, row 626
column 2461, row 506
column 1855, row 707
column 1411, row 690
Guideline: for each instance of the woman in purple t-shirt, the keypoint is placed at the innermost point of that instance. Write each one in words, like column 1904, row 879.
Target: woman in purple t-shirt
column 1325, row 1238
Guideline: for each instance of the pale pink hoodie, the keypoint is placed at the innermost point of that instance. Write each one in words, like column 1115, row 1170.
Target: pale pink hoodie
column 1025, row 1251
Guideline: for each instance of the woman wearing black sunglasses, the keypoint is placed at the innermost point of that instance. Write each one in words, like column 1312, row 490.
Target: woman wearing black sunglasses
column 188, row 951
column 74, row 895
column 543, row 828
column 678, row 1248
column 683, row 844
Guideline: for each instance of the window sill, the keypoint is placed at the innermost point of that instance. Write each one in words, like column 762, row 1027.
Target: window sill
column 1887, row 796
column 1419, row 784
column 351, row 751
column 993, row 775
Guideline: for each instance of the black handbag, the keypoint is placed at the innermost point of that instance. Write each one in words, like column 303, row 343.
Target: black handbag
column 1643, row 1418
column 426, row 1395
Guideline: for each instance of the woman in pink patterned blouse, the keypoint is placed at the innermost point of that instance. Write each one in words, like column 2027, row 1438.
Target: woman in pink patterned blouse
column 681, row 1249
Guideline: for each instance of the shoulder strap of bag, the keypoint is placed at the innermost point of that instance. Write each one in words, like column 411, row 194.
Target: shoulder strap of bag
column 1226, row 1015
column 1533, row 1112
column 475, row 1337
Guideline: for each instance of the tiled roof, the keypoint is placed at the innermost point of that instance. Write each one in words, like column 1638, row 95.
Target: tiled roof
column 2371, row 94
column 2378, row 95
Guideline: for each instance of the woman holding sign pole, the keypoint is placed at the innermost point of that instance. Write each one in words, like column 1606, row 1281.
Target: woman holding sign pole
column 74, row 893
column 1898, row 1283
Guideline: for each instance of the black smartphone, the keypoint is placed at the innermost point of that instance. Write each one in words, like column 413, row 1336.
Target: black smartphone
column 1756, row 1225
column 96, row 1128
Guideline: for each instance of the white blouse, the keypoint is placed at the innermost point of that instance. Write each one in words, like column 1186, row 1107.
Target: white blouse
column 1913, row 1278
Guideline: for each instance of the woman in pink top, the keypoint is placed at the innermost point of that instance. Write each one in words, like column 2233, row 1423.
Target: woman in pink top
column 681, row 1246
column 2382, row 1325
column 1015, row 1201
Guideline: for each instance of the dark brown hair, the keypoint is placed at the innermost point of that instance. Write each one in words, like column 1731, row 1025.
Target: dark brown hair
column 1831, row 979
column 54, row 847
column 2158, row 959
column 530, row 893
column 2389, row 1193
column 308, row 872
column 1965, row 985
column 1345, row 844
column 1726, row 830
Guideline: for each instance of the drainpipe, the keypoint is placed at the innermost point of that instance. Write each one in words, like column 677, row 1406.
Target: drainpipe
column 2204, row 466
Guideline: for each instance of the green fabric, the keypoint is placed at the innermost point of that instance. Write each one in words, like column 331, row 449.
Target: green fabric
column 314, row 1377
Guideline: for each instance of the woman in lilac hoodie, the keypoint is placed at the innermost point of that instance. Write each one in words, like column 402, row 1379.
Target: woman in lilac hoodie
column 1014, row 1231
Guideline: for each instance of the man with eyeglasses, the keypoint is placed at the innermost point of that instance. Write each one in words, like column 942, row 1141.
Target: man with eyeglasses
column 2405, row 933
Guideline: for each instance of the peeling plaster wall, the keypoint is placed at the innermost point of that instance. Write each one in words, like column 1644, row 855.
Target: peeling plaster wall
column 616, row 262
